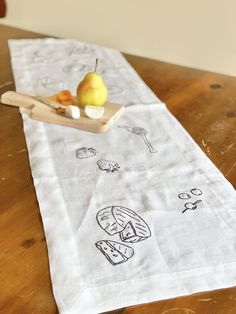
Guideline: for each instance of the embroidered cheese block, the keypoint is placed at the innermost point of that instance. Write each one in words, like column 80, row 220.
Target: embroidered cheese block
column 115, row 252
column 130, row 226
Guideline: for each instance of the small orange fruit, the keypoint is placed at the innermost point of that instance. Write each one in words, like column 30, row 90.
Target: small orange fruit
column 65, row 97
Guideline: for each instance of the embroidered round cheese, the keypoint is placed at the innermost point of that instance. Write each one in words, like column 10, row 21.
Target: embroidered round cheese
column 130, row 226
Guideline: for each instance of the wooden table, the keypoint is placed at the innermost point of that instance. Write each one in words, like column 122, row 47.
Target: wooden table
column 204, row 103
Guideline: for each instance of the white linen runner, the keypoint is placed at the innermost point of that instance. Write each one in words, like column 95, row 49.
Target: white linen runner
column 135, row 215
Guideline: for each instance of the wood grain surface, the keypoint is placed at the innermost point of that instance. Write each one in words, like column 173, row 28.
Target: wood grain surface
column 204, row 103
column 2, row 8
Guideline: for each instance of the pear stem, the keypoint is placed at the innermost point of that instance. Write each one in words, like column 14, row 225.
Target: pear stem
column 96, row 65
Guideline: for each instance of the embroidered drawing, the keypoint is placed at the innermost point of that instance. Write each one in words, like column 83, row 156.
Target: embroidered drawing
column 77, row 50
column 38, row 57
column 184, row 196
column 140, row 132
column 85, row 152
column 196, row 191
column 116, row 253
column 51, row 84
column 187, row 196
column 191, row 206
column 108, row 165
column 76, row 67
column 125, row 222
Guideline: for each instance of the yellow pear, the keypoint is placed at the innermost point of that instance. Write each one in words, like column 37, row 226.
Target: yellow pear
column 92, row 90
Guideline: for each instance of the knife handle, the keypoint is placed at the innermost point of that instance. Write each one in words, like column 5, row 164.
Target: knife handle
column 14, row 99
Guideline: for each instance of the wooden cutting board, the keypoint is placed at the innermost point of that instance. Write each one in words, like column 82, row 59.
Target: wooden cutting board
column 42, row 112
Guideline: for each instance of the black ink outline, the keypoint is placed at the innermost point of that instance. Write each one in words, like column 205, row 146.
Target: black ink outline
column 130, row 218
column 113, row 248
column 190, row 205
column 140, row 132
column 78, row 50
column 184, row 198
column 198, row 194
column 193, row 206
column 88, row 152
column 108, row 165
column 39, row 58
column 47, row 83
column 76, row 67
